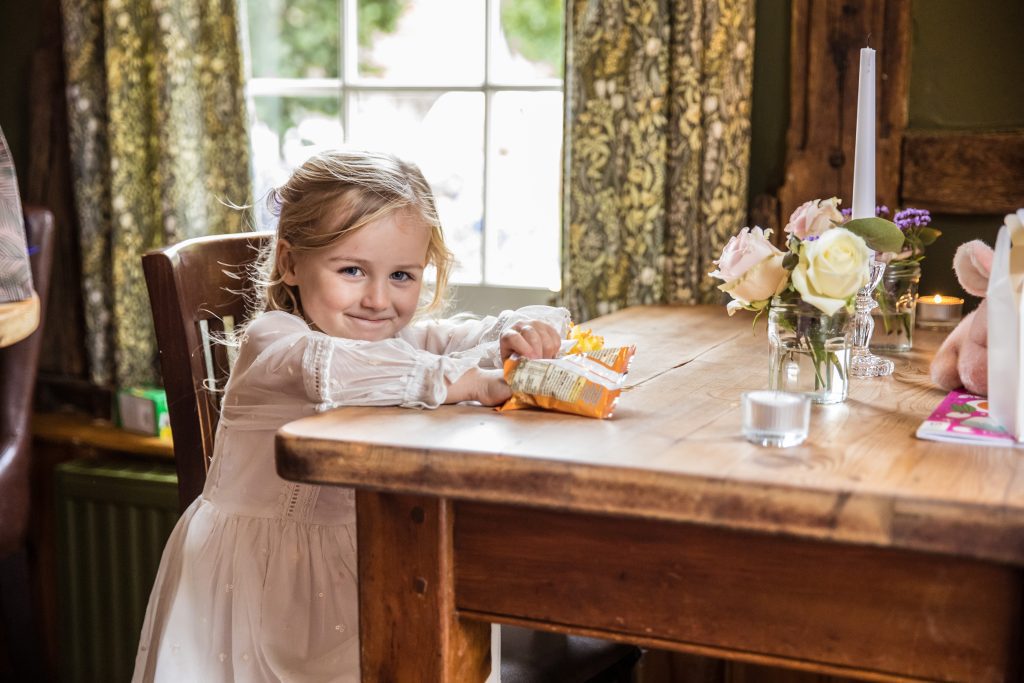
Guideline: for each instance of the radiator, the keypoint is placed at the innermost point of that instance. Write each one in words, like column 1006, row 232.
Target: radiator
column 113, row 518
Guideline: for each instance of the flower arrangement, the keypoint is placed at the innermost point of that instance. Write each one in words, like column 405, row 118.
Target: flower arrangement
column 826, row 263
column 813, row 284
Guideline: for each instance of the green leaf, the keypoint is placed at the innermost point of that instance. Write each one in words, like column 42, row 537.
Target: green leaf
column 790, row 260
column 880, row 234
column 928, row 235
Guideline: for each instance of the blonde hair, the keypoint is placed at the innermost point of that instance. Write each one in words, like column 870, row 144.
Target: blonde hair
column 331, row 196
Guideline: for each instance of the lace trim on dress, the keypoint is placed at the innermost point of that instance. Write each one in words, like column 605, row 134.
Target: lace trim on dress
column 427, row 384
column 316, row 367
column 423, row 388
column 297, row 501
column 494, row 334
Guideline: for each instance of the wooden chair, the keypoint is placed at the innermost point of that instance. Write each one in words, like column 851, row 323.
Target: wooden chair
column 197, row 285
column 18, row 364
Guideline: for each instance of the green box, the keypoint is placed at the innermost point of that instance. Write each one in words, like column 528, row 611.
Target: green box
column 143, row 410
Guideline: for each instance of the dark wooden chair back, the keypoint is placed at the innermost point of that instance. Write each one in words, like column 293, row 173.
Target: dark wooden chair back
column 20, row 639
column 195, row 287
column 18, row 364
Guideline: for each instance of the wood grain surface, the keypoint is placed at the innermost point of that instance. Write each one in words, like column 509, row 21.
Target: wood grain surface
column 407, row 622
column 968, row 173
column 673, row 451
column 886, row 614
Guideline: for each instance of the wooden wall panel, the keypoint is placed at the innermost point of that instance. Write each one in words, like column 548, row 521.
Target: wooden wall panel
column 825, row 44
column 964, row 172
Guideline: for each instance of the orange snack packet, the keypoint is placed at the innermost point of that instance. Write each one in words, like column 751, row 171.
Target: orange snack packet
column 585, row 384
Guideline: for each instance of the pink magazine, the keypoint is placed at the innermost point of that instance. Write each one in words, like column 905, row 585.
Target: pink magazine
column 964, row 418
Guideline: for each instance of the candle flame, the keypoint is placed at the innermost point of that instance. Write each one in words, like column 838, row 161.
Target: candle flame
column 938, row 298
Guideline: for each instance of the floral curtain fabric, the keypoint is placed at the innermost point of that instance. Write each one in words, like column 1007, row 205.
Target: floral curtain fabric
column 160, row 152
column 657, row 148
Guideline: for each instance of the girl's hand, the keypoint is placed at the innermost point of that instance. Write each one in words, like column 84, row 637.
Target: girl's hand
column 486, row 386
column 530, row 339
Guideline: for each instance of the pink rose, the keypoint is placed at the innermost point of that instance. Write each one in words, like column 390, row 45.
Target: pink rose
column 814, row 217
column 752, row 269
column 743, row 252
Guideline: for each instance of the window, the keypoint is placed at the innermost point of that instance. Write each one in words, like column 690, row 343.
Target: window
column 471, row 90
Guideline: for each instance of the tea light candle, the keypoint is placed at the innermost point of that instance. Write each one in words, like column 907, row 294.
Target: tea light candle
column 939, row 312
column 775, row 418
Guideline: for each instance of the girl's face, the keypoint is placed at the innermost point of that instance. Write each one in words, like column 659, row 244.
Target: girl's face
column 367, row 285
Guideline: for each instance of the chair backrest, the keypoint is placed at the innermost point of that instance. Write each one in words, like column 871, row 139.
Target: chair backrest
column 195, row 288
column 18, row 364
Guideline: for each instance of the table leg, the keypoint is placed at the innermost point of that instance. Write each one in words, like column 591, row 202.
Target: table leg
column 408, row 627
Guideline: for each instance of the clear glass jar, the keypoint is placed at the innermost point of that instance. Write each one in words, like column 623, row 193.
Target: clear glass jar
column 896, row 295
column 809, row 351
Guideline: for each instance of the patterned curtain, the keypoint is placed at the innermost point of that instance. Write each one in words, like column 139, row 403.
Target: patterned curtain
column 160, row 151
column 657, row 148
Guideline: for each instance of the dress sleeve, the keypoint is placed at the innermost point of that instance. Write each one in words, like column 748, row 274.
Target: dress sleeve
column 281, row 358
column 478, row 338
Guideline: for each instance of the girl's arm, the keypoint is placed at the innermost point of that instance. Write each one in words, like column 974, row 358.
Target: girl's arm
column 480, row 337
column 282, row 358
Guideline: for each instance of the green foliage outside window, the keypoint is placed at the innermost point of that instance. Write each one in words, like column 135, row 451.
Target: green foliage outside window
column 302, row 39
column 534, row 29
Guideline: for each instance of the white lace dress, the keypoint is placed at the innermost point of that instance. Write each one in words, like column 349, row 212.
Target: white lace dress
column 258, row 578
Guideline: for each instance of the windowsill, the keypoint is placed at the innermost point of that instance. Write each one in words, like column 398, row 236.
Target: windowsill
column 493, row 299
column 79, row 430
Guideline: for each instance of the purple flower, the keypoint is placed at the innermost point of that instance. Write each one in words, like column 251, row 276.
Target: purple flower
column 912, row 218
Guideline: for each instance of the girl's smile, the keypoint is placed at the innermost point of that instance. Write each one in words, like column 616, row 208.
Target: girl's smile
column 367, row 286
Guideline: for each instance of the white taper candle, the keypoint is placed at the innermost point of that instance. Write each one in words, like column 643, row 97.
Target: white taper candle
column 864, row 154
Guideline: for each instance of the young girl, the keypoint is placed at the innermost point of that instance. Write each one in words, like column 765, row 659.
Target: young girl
column 258, row 579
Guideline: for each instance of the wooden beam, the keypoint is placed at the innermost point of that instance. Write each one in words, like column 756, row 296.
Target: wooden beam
column 872, row 613
column 964, row 172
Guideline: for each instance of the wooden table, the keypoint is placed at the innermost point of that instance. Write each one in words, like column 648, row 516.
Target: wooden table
column 863, row 552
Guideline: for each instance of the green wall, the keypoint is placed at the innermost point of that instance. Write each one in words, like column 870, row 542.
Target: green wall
column 967, row 72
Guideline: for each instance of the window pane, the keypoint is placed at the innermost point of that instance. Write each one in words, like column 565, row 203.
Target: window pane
column 294, row 38
column 443, row 134
column 528, row 46
column 287, row 131
column 523, row 183
column 422, row 42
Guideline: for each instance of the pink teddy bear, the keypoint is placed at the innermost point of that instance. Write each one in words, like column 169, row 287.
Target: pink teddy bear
column 962, row 360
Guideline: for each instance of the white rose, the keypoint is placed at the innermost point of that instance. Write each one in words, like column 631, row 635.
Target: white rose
column 831, row 269
column 752, row 269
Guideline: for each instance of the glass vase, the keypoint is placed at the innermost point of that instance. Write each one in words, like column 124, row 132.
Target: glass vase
column 809, row 351
column 896, row 295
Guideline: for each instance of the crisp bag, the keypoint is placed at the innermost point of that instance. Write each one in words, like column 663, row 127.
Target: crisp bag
column 1005, row 334
column 587, row 383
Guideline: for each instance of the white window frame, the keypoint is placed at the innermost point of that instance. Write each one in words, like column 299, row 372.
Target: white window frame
column 480, row 297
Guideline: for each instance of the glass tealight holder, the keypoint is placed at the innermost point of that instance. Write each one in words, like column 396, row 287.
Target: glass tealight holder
column 778, row 419
column 939, row 312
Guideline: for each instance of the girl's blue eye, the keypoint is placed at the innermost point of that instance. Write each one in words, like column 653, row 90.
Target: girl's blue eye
column 401, row 276
column 353, row 271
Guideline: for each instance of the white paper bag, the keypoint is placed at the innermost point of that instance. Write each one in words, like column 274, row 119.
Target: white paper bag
column 1006, row 327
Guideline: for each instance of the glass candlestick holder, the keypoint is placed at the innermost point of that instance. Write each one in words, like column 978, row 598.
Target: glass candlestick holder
column 863, row 363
